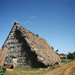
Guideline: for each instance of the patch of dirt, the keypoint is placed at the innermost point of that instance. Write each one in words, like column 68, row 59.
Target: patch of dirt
column 62, row 70
column 73, row 71
column 67, row 72
column 9, row 69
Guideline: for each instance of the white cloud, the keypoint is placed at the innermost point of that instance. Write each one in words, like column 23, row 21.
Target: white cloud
column 32, row 16
column 55, row 44
column 24, row 23
column 16, row 21
column 29, row 22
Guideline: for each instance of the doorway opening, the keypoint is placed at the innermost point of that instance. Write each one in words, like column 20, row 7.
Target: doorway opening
column 14, row 63
column 11, row 67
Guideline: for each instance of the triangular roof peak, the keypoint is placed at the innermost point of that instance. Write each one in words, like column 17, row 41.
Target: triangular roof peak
column 15, row 23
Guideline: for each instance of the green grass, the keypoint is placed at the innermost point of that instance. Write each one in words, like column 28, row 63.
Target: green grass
column 28, row 71
column 66, row 60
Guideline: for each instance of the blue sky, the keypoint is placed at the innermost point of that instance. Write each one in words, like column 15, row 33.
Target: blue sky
column 52, row 20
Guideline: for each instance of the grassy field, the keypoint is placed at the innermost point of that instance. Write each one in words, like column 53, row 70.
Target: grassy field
column 28, row 71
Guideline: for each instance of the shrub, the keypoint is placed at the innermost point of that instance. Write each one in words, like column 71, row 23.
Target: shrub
column 2, row 70
column 66, row 60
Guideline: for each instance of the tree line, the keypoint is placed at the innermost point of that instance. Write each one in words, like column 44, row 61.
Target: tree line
column 69, row 55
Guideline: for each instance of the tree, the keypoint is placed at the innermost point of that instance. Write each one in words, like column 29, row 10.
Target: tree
column 52, row 48
column 70, row 56
column 56, row 51
column 74, row 55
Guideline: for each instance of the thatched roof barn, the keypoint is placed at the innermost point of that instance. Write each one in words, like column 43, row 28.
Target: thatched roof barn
column 26, row 49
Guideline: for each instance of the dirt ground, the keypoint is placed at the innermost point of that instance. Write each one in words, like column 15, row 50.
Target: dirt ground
column 63, row 70
column 9, row 69
column 67, row 72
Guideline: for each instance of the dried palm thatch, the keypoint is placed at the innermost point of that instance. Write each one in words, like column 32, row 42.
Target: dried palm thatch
column 28, row 49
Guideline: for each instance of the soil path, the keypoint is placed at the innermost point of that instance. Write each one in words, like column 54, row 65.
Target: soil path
column 9, row 69
column 63, row 69
column 68, row 71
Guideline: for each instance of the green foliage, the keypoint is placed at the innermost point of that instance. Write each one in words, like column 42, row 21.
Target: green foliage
column 74, row 55
column 66, row 60
column 71, row 55
column 56, row 51
column 52, row 48
column 62, row 54
column 2, row 70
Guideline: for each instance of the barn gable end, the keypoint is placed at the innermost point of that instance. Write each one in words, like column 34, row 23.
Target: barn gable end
column 25, row 49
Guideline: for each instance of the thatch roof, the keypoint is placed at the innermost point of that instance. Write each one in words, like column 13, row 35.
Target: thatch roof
column 44, row 52
column 40, row 49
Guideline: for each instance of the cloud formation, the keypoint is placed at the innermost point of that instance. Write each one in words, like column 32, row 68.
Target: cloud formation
column 24, row 23
column 32, row 16
column 55, row 44
column 27, row 22
column 16, row 21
